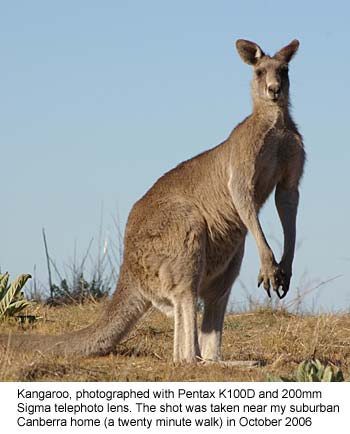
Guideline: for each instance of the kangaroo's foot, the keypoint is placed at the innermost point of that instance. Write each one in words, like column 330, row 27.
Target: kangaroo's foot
column 238, row 363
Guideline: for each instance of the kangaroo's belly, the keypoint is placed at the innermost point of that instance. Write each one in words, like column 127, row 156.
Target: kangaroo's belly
column 221, row 251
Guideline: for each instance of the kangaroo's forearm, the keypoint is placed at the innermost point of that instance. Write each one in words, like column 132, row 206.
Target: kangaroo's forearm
column 287, row 206
column 245, row 208
column 265, row 251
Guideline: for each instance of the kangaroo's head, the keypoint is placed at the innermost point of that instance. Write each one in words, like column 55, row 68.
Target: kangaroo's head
column 270, row 82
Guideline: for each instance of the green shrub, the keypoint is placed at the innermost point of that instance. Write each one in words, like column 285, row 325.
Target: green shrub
column 313, row 370
column 77, row 291
column 12, row 299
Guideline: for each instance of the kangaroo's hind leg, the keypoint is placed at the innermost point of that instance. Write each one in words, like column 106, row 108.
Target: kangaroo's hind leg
column 186, row 347
column 180, row 280
column 215, row 298
column 178, row 261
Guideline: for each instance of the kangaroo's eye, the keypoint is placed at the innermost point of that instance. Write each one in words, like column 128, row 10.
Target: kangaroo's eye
column 259, row 72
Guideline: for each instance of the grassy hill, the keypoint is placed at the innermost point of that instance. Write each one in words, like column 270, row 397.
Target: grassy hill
column 279, row 339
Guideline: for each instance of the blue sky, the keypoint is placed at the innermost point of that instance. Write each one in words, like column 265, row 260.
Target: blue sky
column 98, row 99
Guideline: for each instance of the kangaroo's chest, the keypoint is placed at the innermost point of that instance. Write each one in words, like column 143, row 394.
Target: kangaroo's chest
column 269, row 164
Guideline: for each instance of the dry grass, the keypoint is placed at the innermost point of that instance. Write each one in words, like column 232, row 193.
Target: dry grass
column 278, row 338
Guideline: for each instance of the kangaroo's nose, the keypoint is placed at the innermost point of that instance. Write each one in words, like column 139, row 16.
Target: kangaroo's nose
column 274, row 90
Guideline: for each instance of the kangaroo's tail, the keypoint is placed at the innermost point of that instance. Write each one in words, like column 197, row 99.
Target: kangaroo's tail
column 101, row 337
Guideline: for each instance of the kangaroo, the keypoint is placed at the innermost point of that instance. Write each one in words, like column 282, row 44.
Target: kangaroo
column 185, row 237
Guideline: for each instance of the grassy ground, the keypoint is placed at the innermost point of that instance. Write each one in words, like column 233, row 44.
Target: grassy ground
column 278, row 338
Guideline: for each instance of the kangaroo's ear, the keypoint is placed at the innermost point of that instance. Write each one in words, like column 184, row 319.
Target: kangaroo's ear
column 249, row 51
column 287, row 53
